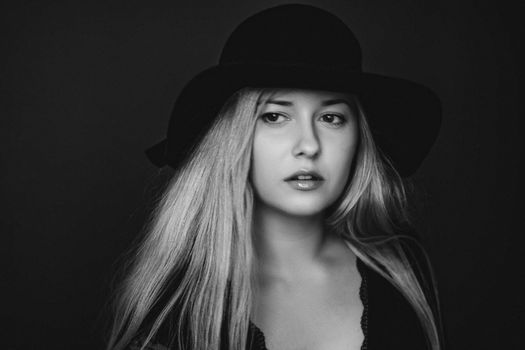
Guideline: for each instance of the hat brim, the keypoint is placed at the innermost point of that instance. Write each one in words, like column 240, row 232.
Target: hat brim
column 404, row 116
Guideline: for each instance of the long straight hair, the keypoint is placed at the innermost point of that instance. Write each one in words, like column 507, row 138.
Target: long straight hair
column 195, row 264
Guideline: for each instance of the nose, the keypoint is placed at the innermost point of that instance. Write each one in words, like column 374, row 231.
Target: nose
column 307, row 143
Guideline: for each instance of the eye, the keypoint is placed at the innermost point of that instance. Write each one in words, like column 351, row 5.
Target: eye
column 272, row 118
column 333, row 119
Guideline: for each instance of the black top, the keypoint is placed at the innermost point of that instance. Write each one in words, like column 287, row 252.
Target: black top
column 388, row 320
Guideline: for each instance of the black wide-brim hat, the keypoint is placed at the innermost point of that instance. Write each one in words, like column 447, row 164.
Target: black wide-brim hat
column 300, row 46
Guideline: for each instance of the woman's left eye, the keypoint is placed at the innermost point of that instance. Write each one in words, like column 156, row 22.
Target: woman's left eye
column 333, row 119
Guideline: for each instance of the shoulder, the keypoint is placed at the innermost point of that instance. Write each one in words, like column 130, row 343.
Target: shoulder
column 422, row 267
column 163, row 339
column 391, row 320
column 139, row 343
column 255, row 341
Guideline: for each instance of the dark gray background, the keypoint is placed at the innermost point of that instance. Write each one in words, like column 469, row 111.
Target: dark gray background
column 87, row 86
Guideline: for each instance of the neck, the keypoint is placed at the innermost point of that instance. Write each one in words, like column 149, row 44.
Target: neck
column 286, row 245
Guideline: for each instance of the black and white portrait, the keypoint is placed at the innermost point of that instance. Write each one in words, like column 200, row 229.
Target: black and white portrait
column 262, row 175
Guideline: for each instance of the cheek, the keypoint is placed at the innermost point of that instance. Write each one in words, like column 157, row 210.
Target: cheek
column 264, row 157
column 342, row 154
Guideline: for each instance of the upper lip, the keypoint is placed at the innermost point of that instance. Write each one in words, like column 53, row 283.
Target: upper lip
column 312, row 173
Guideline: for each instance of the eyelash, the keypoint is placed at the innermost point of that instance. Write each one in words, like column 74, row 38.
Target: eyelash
column 264, row 116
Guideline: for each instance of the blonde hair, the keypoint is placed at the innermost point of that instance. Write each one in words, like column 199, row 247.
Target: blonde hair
column 195, row 264
column 372, row 215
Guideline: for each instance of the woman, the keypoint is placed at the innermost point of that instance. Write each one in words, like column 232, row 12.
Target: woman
column 285, row 225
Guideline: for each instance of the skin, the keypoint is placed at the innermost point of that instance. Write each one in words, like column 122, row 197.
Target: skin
column 304, row 135
column 294, row 131
column 304, row 272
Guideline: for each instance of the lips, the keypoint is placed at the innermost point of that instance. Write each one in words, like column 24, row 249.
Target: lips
column 305, row 175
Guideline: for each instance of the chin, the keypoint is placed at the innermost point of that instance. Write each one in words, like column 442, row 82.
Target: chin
column 297, row 203
column 303, row 207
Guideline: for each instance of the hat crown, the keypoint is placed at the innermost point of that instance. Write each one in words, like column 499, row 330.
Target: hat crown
column 293, row 35
column 300, row 46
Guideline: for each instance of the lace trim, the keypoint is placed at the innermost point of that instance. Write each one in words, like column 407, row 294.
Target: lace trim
column 363, row 295
column 258, row 338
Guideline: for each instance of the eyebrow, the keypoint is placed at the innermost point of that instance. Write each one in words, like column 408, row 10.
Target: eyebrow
column 324, row 103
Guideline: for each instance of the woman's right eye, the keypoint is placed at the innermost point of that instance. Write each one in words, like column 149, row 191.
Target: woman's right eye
column 273, row 118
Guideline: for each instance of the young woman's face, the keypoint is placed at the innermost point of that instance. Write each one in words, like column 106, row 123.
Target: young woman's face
column 303, row 149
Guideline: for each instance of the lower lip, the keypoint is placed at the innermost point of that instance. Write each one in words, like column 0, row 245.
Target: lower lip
column 305, row 185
